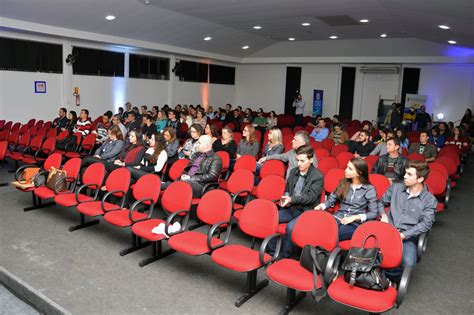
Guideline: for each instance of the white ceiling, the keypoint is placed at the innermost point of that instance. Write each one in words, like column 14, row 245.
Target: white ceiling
column 184, row 23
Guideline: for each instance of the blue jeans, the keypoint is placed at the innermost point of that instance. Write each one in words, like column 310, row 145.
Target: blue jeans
column 409, row 258
column 289, row 216
column 346, row 231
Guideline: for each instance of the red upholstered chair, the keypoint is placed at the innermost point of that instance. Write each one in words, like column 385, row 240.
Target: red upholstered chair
column 328, row 144
column 331, row 181
column 436, row 184
column 259, row 219
column 54, row 160
column 72, row 146
column 237, row 137
column 338, row 149
column 176, row 201
column 146, row 192
column 4, row 134
column 390, row 244
column 450, row 166
column 40, row 156
column 85, row 148
column 287, row 131
column 316, row 228
column 53, row 132
column 63, row 134
column 31, row 122
column 272, row 167
column 316, row 145
column 321, row 153
column 371, row 160
column 29, row 151
column 116, row 186
column 246, row 162
column 17, row 150
column 225, row 158
column 416, row 157
column 47, row 125
column 3, row 151
column 326, row 164
column 92, row 179
column 16, row 126
column 13, row 137
column 343, row 158
column 177, row 169
column 24, row 129
column 443, row 170
column 239, row 185
column 214, row 210
column 380, row 183
column 72, row 168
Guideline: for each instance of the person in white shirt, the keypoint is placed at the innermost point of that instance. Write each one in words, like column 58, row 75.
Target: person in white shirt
column 299, row 105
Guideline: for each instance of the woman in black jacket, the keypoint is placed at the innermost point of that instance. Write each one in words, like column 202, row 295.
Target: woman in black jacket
column 154, row 159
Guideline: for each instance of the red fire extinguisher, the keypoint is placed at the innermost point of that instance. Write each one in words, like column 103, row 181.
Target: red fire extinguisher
column 77, row 96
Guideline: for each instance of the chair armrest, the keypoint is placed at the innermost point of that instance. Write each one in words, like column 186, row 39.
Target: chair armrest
column 332, row 265
column 264, row 246
column 86, row 186
column 41, row 173
column 21, row 169
column 208, row 185
column 213, row 229
column 403, row 286
column 69, row 145
column 171, row 218
column 421, row 246
column 136, row 204
column 110, row 193
column 237, row 194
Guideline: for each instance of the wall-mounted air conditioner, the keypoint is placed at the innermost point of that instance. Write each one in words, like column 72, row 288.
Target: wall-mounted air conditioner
column 380, row 69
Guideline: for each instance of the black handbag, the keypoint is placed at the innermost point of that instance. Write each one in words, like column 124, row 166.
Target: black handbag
column 362, row 267
column 315, row 260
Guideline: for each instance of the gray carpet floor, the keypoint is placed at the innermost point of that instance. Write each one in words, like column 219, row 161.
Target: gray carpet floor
column 10, row 304
column 83, row 272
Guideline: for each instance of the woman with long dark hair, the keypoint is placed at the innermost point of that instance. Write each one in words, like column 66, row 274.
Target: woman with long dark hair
column 132, row 154
column 71, row 121
column 356, row 195
column 154, row 159
column 248, row 145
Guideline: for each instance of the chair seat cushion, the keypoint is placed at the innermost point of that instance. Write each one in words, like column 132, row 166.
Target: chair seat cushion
column 16, row 156
column 223, row 185
column 69, row 200
column 345, row 245
column 290, row 273
column 44, row 192
column 237, row 214
column 282, row 228
column 254, row 191
column 94, row 208
column 30, row 160
column 368, row 300
column 195, row 201
column 440, row 207
column 120, row 217
column 192, row 243
column 143, row 229
column 237, row 257
column 71, row 155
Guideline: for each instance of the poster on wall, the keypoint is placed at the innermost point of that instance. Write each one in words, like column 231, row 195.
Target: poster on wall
column 415, row 101
column 40, row 86
column 318, row 102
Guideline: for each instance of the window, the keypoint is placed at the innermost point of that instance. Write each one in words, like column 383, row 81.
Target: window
column 98, row 62
column 191, row 71
column 222, row 75
column 23, row 55
column 148, row 67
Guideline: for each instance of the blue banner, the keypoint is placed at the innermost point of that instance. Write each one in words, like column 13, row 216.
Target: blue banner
column 318, row 102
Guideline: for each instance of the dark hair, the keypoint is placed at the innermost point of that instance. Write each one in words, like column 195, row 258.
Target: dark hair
column 395, row 140
column 304, row 135
column 144, row 106
column 307, row 150
column 337, row 117
column 120, row 110
column 160, row 145
column 172, row 133
column 133, row 114
column 74, row 116
column 197, row 127
column 63, row 109
column 425, row 132
column 147, row 116
column 422, row 168
column 85, row 111
column 345, row 184
column 173, row 111
column 135, row 109
column 115, row 130
column 403, row 136
column 336, row 124
column 139, row 136
column 213, row 129
column 366, row 132
column 273, row 112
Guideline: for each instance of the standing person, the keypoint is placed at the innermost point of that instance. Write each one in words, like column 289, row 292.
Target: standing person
column 422, row 119
column 299, row 105
column 174, row 122
column 248, row 145
column 424, row 147
column 61, row 121
column 303, row 191
column 226, row 143
column 412, row 212
column 116, row 121
column 391, row 165
column 356, row 195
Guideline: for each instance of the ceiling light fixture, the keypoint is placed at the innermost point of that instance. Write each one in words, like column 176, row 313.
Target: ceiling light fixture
column 245, row 47
column 364, row 21
column 257, row 27
column 452, row 42
column 333, row 37
column 305, row 24
column 110, row 17
column 444, row 27
column 383, row 35
column 291, row 39
column 207, row 38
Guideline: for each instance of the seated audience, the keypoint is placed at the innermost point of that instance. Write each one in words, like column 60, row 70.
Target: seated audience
column 161, row 120
column 236, row 119
column 132, row 153
column 248, row 116
column 102, row 128
column 444, row 130
column 132, row 122
column 320, row 132
column 458, row 139
column 424, row 147
column 381, row 147
column 363, row 146
column 172, row 144
column 71, row 121
column 248, row 145
column 303, row 191
column 201, row 118
column 190, row 145
column 211, row 131
column 338, row 135
column 210, row 114
column 412, row 212
column 128, row 110
column 226, row 143
column 272, row 120
column 109, row 150
column 357, row 197
column 116, row 122
column 274, row 144
column 404, row 143
column 391, row 165
column 83, row 124
column 61, row 121
column 174, row 122
column 366, row 126
column 154, row 159
column 148, row 128
column 437, row 139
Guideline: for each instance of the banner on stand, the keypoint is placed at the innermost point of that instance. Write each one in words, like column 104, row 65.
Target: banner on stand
column 318, row 102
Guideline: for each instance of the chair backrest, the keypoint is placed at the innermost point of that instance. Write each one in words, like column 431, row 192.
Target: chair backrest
column 272, row 167
column 118, row 179
column 36, row 142
column 316, row 228
column 177, row 169
column 247, row 162
column 287, row 131
column 89, row 141
column 380, row 183
column 321, row 153
column 24, row 129
column 237, row 137
column 241, row 179
column 63, row 134
column 3, row 149
column 259, row 218
column 72, row 167
column 452, row 155
column 343, row 158
column 39, row 124
column 31, row 122
column 54, row 160
column 338, row 149
column 13, row 137
column 25, row 139
column 440, row 168
column 52, row 132
column 225, row 158
column 328, row 144
column 147, row 186
column 271, row 187
column 332, row 179
column 388, row 239
column 436, row 182
column 16, row 126
column 42, row 132
column 48, row 125
column 94, row 174
column 371, row 160
column 448, row 163
column 326, row 164
column 214, row 206
column 8, row 125
column 177, row 196
column 416, row 157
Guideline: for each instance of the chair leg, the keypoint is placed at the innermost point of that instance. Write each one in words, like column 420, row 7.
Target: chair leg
column 83, row 224
column 252, row 287
column 157, row 253
column 292, row 299
column 136, row 245
column 4, row 184
column 37, row 204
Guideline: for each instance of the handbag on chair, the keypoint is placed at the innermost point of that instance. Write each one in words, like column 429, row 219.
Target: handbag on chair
column 56, row 180
column 315, row 259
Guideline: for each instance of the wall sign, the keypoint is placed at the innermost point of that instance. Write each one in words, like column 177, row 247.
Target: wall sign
column 40, row 86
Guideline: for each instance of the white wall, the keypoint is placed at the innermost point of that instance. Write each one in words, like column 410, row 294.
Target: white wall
column 216, row 95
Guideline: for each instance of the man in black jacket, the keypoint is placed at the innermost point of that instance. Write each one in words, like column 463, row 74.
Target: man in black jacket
column 205, row 166
column 392, row 164
column 303, row 192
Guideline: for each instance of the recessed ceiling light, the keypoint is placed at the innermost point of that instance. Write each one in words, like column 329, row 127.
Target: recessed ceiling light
column 383, row 35
column 257, row 27
column 110, row 17
column 364, row 21
column 291, row 39
column 305, row 24
column 245, row 47
column 333, row 37
column 444, row 27
column 207, row 38
column 452, row 42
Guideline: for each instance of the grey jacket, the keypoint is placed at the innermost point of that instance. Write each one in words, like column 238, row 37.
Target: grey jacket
column 290, row 157
column 311, row 193
column 246, row 148
column 411, row 216
column 399, row 166
column 109, row 150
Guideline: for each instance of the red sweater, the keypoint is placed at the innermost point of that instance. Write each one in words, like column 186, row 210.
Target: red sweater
column 461, row 143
